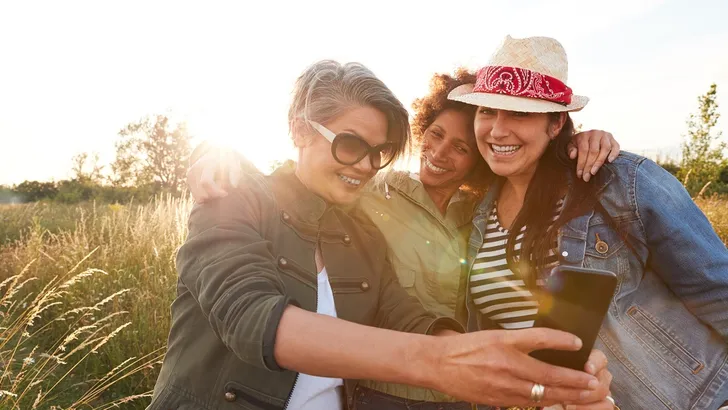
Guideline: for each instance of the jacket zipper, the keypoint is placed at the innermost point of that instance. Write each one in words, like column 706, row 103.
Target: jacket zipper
column 295, row 381
column 290, row 394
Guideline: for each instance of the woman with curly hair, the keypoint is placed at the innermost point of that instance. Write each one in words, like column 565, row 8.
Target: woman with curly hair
column 425, row 217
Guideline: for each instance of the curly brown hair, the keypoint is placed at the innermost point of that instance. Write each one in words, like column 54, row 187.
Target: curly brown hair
column 433, row 104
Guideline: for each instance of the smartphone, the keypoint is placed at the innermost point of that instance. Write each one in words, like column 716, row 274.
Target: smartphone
column 574, row 300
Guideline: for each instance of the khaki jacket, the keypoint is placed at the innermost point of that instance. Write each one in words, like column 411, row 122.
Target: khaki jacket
column 428, row 252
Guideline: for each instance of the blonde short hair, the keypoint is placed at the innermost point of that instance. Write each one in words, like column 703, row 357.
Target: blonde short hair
column 327, row 89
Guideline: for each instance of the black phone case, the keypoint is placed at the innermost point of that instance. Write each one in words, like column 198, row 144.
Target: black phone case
column 574, row 300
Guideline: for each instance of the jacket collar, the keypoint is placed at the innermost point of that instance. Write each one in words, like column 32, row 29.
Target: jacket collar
column 294, row 198
column 459, row 210
column 578, row 226
column 490, row 196
column 603, row 178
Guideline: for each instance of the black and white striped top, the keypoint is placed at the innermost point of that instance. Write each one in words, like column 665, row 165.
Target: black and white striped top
column 496, row 291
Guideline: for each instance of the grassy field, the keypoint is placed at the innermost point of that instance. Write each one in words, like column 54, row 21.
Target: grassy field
column 84, row 306
column 119, row 261
column 716, row 209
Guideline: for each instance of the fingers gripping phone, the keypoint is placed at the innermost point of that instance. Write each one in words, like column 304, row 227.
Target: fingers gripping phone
column 574, row 300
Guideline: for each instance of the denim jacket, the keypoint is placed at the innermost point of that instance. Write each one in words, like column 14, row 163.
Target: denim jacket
column 666, row 331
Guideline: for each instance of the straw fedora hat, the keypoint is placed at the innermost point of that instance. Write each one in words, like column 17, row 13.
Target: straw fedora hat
column 525, row 75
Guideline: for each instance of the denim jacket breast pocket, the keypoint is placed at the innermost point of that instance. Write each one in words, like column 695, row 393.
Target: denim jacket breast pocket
column 602, row 241
column 605, row 248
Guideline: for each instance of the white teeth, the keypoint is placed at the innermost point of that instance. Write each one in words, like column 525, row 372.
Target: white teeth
column 350, row 181
column 433, row 167
column 505, row 149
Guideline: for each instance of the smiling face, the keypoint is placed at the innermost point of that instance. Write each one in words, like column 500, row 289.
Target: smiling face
column 320, row 172
column 449, row 151
column 511, row 142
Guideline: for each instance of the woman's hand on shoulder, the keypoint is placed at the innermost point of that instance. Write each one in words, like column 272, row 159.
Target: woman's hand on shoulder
column 214, row 173
column 591, row 149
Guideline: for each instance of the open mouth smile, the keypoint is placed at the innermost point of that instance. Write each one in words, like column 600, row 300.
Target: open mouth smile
column 505, row 150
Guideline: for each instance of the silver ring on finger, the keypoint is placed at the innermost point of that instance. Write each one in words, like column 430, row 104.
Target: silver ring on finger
column 611, row 400
column 537, row 393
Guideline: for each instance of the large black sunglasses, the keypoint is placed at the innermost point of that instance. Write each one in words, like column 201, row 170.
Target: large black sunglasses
column 349, row 149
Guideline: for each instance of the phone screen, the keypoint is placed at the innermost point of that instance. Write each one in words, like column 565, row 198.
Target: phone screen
column 574, row 300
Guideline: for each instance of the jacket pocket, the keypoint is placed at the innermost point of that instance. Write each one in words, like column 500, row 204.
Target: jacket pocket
column 251, row 399
column 291, row 268
column 340, row 285
column 602, row 241
column 665, row 346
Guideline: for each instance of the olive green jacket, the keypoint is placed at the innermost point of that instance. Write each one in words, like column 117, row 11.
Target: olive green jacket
column 427, row 251
column 247, row 257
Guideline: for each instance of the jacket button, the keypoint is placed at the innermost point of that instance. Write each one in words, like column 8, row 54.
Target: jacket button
column 364, row 286
column 602, row 247
column 282, row 262
column 347, row 239
column 285, row 216
column 230, row 396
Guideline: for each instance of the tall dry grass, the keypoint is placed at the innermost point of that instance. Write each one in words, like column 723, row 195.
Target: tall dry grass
column 716, row 209
column 125, row 258
column 119, row 261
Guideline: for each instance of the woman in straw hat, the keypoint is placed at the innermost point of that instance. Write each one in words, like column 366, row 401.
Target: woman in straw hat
column 666, row 332
column 282, row 283
column 424, row 217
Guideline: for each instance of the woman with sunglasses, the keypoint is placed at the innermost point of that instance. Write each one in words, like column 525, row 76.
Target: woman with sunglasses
column 425, row 217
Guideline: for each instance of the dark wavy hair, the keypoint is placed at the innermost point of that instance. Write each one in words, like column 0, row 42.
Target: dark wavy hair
column 548, row 185
column 433, row 104
column 549, row 182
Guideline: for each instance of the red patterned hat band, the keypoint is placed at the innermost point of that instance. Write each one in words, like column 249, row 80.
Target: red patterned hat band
column 521, row 82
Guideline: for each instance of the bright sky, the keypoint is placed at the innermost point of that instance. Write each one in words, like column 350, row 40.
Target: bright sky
column 73, row 73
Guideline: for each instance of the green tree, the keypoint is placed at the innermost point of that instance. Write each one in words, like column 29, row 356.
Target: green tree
column 31, row 191
column 7, row 195
column 74, row 190
column 702, row 148
column 151, row 151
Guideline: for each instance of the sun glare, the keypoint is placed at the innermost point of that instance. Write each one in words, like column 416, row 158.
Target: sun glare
column 247, row 137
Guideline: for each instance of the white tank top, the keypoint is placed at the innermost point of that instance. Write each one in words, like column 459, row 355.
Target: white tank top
column 313, row 392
